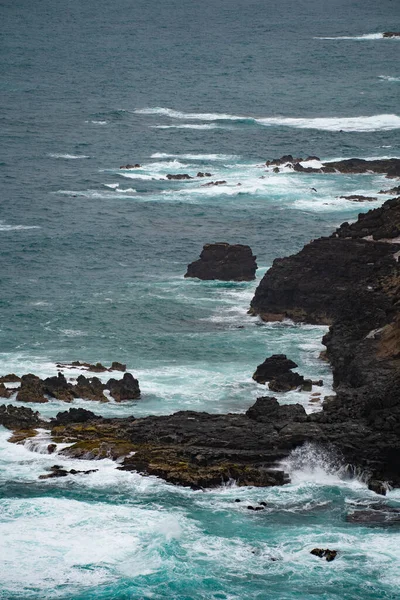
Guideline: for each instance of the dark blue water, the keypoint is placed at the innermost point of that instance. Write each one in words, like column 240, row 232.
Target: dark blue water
column 93, row 260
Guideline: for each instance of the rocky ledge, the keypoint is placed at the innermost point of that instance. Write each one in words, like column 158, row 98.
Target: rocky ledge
column 350, row 281
column 386, row 166
column 227, row 262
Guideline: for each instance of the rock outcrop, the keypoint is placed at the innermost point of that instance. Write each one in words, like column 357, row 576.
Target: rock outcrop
column 388, row 166
column 227, row 262
column 391, row 34
column 277, row 370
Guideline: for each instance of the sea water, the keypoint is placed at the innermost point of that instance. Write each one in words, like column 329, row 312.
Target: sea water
column 93, row 263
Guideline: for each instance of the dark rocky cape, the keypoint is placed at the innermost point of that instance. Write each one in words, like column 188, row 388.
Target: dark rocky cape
column 350, row 281
column 227, row 262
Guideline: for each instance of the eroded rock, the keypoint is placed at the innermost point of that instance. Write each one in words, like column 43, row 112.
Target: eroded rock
column 227, row 262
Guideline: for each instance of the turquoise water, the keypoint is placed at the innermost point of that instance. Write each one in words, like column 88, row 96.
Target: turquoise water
column 93, row 260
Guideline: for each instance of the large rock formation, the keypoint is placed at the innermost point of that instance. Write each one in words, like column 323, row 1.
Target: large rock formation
column 388, row 166
column 228, row 262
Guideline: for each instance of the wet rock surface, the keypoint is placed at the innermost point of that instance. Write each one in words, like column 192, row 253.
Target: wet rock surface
column 329, row 555
column 227, row 262
column 277, row 370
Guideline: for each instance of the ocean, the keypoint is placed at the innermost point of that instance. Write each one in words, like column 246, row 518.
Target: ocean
column 93, row 264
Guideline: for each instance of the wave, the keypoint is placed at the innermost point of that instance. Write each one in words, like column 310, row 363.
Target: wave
column 5, row 227
column 187, row 126
column 68, row 156
column 382, row 122
column 389, row 78
column 366, row 36
column 196, row 156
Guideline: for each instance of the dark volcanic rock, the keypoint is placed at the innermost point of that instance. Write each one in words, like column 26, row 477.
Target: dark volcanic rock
column 59, row 388
column 211, row 183
column 390, row 166
column 58, row 471
column 378, row 487
column 74, row 415
column 286, row 382
column 5, row 392
column 125, row 389
column 391, row 34
column 136, row 166
column 272, row 367
column 19, row 417
column 11, row 378
column 358, row 198
column 90, row 388
column 329, row 555
column 314, row 284
column 225, row 262
column 117, row 366
column 395, row 191
column 179, row 176
column 31, row 389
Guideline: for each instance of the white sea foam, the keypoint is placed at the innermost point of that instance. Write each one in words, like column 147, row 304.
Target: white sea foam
column 97, row 122
column 201, row 157
column 5, row 227
column 381, row 122
column 113, row 186
column 188, row 126
column 69, row 156
column 389, row 78
column 366, row 36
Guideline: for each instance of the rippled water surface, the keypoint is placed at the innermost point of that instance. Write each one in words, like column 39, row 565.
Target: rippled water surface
column 93, row 259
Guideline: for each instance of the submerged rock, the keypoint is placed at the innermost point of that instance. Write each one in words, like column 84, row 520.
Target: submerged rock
column 329, row 555
column 136, row 166
column 358, row 198
column 179, row 176
column 58, row 471
column 377, row 486
column 391, row 34
column 227, row 262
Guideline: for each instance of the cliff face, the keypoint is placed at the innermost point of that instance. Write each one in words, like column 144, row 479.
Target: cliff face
column 351, row 281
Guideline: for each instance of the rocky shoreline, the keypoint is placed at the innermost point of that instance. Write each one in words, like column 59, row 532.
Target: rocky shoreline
column 349, row 281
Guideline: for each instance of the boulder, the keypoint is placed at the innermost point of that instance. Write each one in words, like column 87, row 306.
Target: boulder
column 117, row 366
column 391, row 34
column 273, row 367
column 329, row 555
column 125, row 389
column 89, row 388
column 201, row 174
column 358, row 198
column 286, row 382
column 227, row 262
column 179, row 176
column 19, row 417
column 5, row 392
column 10, row 378
column 136, row 166
column 74, row 415
column 31, row 389
column 377, row 486
column 58, row 387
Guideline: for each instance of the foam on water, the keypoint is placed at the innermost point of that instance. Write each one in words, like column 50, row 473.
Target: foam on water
column 365, row 36
column 199, row 157
column 5, row 227
column 380, row 122
column 68, row 156
column 389, row 78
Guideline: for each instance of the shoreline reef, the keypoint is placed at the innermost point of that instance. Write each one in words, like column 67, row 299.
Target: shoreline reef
column 349, row 281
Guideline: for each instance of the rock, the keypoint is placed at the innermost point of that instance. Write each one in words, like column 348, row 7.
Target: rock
column 306, row 385
column 200, row 174
column 314, row 284
column 377, row 486
column 58, row 471
column 11, row 378
column 59, row 388
column 268, row 410
column 179, row 176
column 224, row 261
column 329, row 555
column 390, row 166
column 19, row 417
column 286, row 382
column 74, row 415
column 380, row 515
column 211, row 183
column 319, row 382
column 97, row 368
column 276, row 170
column 391, row 34
column 136, row 166
column 125, row 389
column 358, row 198
column 117, row 366
column 51, row 448
column 394, row 191
column 273, row 367
column 89, row 388
column 5, row 392
column 31, row 389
